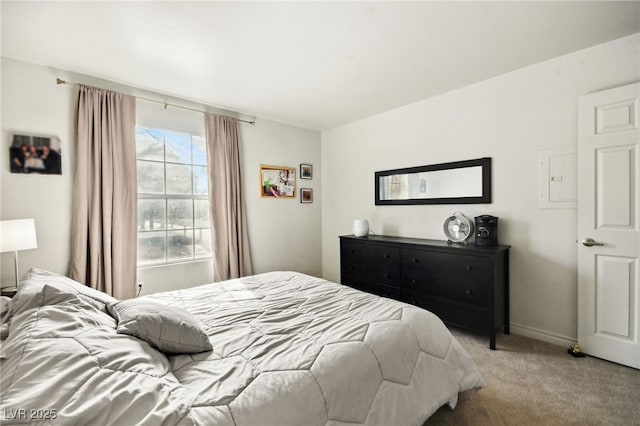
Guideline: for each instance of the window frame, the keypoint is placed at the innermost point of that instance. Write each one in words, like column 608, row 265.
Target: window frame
column 165, row 197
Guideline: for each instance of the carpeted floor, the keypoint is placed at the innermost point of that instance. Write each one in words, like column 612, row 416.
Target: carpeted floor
column 529, row 382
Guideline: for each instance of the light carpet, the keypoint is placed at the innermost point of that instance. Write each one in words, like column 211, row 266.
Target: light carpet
column 529, row 382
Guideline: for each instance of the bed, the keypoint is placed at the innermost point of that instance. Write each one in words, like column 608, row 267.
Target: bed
column 285, row 349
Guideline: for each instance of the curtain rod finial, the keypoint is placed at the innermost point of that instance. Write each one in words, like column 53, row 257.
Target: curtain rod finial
column 58, row 81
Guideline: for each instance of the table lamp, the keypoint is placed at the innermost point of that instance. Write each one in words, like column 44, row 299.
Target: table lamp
column 17, row 235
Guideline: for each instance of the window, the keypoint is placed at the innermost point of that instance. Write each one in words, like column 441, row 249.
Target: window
column 173, row 201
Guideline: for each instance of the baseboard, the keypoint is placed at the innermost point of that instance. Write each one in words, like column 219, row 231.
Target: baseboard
column 543, row 335
column 331, row 278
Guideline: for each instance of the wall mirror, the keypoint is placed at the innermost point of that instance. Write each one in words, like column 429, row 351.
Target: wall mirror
column 459, row 182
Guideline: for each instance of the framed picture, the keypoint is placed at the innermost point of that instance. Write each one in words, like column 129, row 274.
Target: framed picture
column 306, row 171
column 35, row 154
column 277, row 181
column 306, row 195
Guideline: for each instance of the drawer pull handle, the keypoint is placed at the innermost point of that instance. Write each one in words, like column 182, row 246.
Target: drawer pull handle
column 468, row 292
column 387, row 276
column 468, row 268
column 413, row 282
column 414, row 260
column 350, row 250
column 387, row 256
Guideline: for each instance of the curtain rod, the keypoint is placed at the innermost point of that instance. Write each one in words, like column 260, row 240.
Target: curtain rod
column 166, row 104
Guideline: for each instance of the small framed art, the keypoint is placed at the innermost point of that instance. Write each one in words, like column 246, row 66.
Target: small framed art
column 306, row 171
column 306, row 195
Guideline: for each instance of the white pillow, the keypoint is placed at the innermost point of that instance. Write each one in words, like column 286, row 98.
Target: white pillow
column 168, row 328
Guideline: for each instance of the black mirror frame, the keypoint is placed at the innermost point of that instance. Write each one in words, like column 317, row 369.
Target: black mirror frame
column 485, row 198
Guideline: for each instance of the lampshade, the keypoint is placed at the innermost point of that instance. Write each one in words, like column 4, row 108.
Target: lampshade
column 16, row 235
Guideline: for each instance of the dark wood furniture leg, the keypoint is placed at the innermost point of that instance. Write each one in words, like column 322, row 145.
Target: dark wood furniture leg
column 506, row 293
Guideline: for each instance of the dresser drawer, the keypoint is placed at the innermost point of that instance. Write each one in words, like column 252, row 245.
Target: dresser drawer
column 363, row 262
column 472, row 290
column 456, row 314
column 447, row 265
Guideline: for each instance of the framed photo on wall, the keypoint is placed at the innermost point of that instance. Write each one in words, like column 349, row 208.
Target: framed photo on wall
column 35, row 154
column 306, row 171
column 306, row 195
column 277, row 181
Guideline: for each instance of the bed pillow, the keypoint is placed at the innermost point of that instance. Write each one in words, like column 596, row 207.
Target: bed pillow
column 36, row 278
column 170, row 329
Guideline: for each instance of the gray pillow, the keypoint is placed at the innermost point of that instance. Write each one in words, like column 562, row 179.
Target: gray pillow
column 36, row 279
column 97, row 298
column 169, row 329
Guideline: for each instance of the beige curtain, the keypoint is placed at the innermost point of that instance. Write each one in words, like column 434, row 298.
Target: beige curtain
column 230, row 240
column 103, row 241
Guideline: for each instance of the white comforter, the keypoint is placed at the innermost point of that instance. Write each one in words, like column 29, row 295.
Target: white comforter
column 288, row 349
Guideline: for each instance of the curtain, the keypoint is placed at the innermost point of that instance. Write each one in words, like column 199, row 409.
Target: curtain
column 230, row 240
column 103, row 241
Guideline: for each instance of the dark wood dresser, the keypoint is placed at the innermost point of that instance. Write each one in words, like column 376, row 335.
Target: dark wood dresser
column 465, row 285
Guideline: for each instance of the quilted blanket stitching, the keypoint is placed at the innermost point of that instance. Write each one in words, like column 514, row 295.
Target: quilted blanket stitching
column 324, row 398
column 102, row 367
column 349, row 314
column 417, row 340
column 24, row 347
column 315, row 339
column 157, row 378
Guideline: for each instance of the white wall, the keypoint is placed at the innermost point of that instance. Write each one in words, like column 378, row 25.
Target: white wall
column 508, row 118
column 284, row 234
column 33, row 104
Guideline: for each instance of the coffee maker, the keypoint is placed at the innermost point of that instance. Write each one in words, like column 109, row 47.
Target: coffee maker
column 486, row 230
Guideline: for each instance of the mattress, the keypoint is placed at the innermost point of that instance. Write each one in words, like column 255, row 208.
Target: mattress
column 288, row 349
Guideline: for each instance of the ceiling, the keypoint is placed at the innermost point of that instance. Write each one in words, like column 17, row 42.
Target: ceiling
column 315, row 65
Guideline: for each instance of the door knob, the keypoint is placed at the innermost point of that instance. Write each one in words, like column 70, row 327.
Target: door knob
column 591, row 242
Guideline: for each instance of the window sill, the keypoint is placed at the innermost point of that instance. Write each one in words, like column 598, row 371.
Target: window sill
column 177, row 263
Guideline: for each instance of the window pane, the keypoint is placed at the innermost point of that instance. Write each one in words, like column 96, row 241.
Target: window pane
column 199, row 151
column 151, row 247
column 149, row 144
column 151, row 214
column 200, row 180
column 201, row 213
column 179, row 214
column 202, row 242
column 172, row 226
column 178, row 179
column 150, row 177
column 178, row 147
column 180, row 244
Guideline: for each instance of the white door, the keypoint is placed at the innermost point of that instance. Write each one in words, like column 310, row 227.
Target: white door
column 609, row 225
